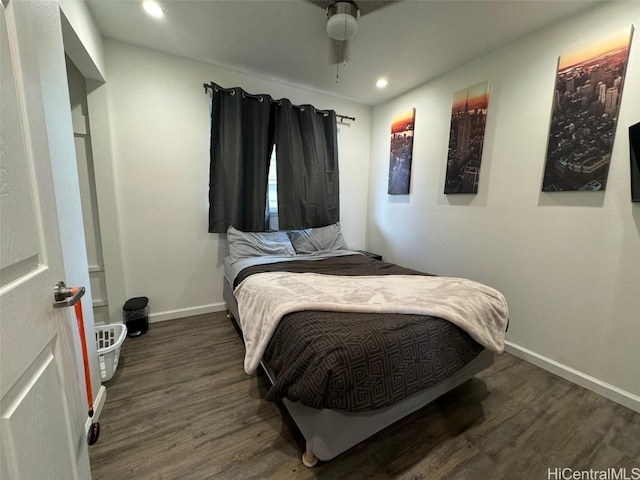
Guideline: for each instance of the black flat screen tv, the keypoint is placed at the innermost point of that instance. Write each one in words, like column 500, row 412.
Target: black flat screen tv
column 634, row 153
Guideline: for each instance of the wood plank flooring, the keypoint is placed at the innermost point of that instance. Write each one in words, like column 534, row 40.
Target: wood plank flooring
column 181, row 407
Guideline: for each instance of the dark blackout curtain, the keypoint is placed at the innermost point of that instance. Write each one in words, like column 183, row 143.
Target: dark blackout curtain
column 241, row 142
column 307, row 166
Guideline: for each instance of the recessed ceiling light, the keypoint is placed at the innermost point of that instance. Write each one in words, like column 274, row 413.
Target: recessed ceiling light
column 153, row 8
column 381, row 83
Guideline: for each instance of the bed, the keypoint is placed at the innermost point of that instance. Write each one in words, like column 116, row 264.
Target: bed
column 348, row 359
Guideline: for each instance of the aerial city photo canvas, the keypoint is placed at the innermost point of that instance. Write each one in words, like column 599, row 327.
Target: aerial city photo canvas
column 466, row 137
column 586, row 100
column 401, row 152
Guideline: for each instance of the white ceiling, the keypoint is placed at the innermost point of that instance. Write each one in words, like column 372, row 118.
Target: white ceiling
column 409, row 42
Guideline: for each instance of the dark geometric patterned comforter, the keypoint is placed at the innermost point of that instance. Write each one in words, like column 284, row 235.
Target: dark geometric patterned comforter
column 359, row 361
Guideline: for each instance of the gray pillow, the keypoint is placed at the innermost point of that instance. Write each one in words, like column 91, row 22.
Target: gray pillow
column 258, row 244
column 311, row 240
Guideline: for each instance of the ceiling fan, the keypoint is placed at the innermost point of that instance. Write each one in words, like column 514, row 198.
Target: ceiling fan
column 342, row 23
column 342, row 26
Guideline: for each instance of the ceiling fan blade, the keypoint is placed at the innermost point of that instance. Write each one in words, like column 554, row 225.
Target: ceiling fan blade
column 338, row 51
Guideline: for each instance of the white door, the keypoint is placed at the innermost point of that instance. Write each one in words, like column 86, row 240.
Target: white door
column 42, row 404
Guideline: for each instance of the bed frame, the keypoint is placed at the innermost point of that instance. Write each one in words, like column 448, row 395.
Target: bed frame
column 329, row 432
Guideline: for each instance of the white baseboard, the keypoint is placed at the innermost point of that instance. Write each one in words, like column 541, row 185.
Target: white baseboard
column 186, row 312
column 611, row 392
column 98, row 404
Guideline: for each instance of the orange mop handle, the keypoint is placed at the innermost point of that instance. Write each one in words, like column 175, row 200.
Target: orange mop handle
column 85, row 355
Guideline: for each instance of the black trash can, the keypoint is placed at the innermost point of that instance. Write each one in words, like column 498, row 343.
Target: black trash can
column 136, row 316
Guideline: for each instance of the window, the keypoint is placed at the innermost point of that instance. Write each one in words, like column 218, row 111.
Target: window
column 272, row 193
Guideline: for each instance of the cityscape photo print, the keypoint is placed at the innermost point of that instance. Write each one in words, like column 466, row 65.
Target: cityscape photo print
column 586, row 101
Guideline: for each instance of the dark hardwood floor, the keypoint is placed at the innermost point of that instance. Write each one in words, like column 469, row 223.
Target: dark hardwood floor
column 181, row 407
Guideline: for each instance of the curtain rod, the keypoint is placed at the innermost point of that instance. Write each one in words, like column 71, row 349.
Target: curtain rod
column 211, row 86
column 345, row 117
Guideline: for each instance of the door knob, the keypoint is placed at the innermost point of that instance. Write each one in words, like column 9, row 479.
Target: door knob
column 64, row 296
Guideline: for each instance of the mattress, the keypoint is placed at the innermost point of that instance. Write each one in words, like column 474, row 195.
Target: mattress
column 358, row 361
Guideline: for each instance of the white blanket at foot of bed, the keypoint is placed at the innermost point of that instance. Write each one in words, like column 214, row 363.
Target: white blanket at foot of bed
column 264, row 298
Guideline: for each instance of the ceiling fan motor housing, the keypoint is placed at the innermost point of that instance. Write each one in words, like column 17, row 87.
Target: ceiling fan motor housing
column 342, row 20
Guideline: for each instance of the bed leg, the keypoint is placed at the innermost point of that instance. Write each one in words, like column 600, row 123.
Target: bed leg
column 309, row 460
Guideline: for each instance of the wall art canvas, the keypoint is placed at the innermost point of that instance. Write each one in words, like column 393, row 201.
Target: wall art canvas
column 401, row 152
column 466, row 137
column 586, row 100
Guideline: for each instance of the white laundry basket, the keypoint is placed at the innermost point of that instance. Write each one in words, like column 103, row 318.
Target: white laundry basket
column 109, row 339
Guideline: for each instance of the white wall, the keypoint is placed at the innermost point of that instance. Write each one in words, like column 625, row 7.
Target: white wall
column 159, row 119
column 568, row 263
column 83, row 41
